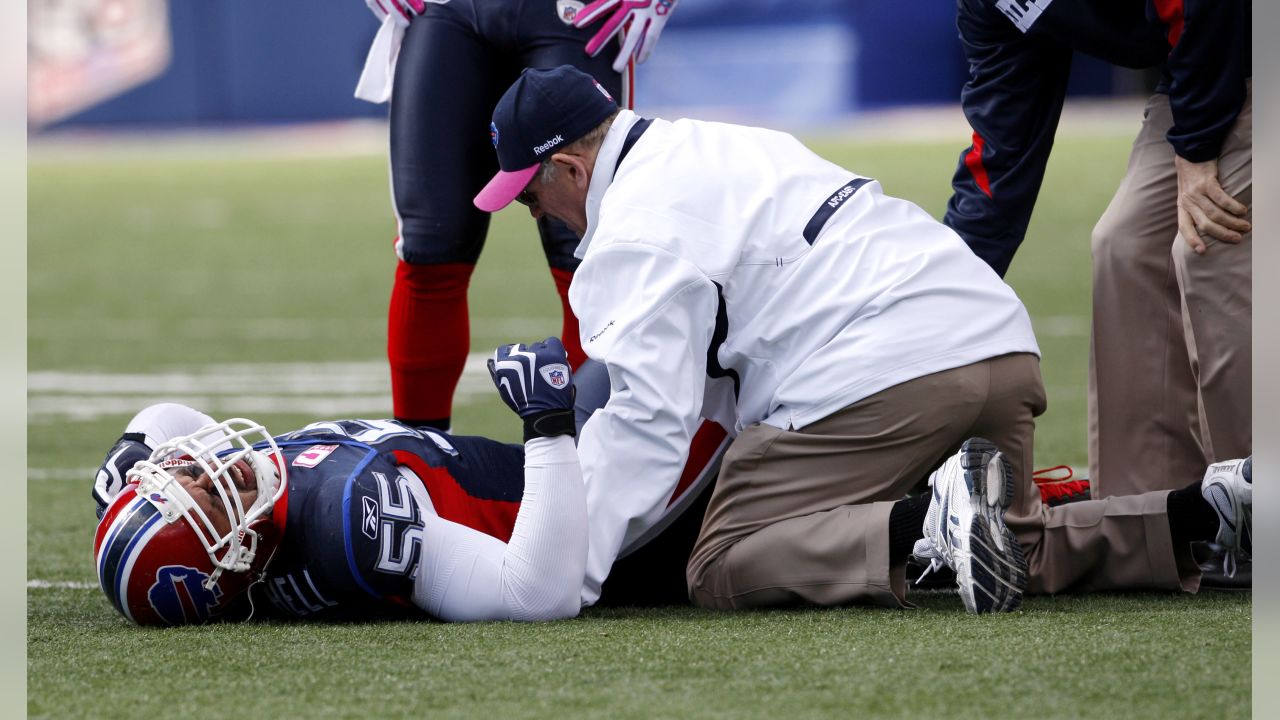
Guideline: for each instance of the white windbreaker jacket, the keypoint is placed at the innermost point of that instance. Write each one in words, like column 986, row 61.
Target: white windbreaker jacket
column 730, row 273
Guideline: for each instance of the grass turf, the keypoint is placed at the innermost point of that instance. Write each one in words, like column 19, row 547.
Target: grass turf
column 161, row 262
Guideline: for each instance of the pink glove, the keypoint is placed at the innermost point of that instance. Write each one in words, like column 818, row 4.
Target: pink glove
column 642, row 20
column 403, row 10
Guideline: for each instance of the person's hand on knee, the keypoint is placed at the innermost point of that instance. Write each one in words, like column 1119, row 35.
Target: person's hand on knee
column 1205, row 210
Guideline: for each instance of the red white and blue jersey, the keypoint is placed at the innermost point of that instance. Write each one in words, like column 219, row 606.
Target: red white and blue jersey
column 354, row 528
column 353, row 535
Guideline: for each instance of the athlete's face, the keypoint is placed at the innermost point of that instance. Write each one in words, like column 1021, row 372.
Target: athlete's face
column 208, row 494
column 564, row 198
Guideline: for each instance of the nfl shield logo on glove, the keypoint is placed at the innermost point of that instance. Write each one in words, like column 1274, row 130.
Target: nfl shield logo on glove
column 557, row 376
column 568, row 10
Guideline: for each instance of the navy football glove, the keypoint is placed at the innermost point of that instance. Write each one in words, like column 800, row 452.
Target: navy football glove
column 108, row 483
column 536, row 382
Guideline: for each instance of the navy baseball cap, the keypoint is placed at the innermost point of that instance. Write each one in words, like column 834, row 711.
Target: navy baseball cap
column 541, row 111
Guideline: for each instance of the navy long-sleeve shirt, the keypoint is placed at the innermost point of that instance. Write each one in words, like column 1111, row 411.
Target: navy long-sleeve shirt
column 1019, row 54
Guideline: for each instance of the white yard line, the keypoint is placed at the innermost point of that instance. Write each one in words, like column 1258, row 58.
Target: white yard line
column 270, row 378
column 82, row 474
column 60, row 585
column 330, row 389
column 353, row 389
column 51, row 409
column 371, row 330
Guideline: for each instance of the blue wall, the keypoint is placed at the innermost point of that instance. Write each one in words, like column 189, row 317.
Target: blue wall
column 241, row 61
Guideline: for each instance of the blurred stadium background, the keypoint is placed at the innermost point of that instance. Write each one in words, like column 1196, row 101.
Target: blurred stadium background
column 104, row 63
column 209, row 223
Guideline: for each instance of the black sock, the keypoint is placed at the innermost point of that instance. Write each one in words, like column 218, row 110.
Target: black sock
column 441, row 424
column 906, row 526
column 1191, row 517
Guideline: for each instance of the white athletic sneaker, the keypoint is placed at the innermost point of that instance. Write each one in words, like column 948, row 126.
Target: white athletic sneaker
column 964, row 528
column 1228, row 487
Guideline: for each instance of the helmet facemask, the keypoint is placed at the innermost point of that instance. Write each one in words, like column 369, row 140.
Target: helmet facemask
column 215, row 449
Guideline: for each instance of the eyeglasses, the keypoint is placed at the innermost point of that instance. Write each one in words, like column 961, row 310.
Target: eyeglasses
column 527, row 198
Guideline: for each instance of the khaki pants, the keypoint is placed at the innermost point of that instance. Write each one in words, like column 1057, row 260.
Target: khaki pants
column 803, row 516
column 1171, row 353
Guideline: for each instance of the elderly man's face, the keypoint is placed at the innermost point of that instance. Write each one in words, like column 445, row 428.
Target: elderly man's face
column 565, row 197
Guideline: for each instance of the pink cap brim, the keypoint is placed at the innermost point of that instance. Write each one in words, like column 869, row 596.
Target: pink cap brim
column 503, row 188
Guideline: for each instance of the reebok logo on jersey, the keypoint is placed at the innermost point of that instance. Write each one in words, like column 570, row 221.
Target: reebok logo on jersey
column 369, row 523
column 548, row 145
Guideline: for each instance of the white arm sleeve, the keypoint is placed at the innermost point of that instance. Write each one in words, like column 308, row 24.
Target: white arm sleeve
column 164, row 421
column 466, row 575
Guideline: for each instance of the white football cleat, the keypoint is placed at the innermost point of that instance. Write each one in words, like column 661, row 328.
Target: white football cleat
column 1228, row 488
column 964, row 528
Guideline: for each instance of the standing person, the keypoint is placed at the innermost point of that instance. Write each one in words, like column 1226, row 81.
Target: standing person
column 1170, row 354
column 853, row 342
column 442, row 64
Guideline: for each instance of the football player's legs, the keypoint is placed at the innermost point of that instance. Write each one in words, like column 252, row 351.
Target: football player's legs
column 548, row 42
column 447, row 82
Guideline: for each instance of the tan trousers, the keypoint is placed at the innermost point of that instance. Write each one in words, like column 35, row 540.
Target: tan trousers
column 1170, row 357
column 803, row 516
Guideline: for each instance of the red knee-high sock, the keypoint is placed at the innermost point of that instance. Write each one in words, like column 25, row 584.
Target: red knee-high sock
column 569, row 331
column 428, row 336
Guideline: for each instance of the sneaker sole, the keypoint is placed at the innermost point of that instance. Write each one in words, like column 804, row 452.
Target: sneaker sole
column 997, row 573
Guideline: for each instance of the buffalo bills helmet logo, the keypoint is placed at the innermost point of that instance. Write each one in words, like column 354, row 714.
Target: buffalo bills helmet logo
column 493, row 133
column 180, row 597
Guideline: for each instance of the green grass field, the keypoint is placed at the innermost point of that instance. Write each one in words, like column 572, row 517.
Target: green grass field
column 260, row 288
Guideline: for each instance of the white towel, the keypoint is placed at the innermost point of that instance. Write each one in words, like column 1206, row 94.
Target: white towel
column 380, row 65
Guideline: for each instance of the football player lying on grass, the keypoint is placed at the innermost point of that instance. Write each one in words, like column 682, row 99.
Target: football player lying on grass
column 353, row 519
